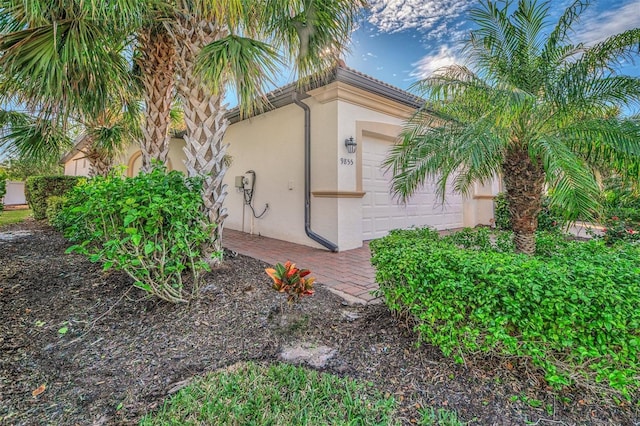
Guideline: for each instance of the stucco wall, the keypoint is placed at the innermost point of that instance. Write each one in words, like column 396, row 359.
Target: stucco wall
column 272, row 145
column 78, row 165
column 133, row 160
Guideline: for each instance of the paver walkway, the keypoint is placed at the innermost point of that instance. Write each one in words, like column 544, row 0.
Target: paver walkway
column 348, row 274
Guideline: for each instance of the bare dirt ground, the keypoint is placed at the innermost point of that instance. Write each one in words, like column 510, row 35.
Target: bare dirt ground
column 122, row 354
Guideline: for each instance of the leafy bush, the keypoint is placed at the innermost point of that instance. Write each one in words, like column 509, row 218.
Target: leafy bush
column 3, row 187
column 151, row 226
column 616, row 229
column 482, row 239
column 502, row 216
column 621, row 212
column 55, row 204
column 39, row 188
column 548, row 218
column 573, row 311
column 291, row 280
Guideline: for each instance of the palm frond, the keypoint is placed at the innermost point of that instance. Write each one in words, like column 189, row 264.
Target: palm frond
column 575, row 189
column 36, row 140
column 70, row 65
column 310, row 34
column 250, row 65
column 558, row 37
column 613, row 50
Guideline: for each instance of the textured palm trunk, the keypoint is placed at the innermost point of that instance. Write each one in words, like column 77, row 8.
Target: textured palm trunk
column 100, row 162
column 204, row 117
column 157, row 62
column 524, row 184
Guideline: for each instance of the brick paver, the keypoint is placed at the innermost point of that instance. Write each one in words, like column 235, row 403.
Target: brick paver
column 349, row 274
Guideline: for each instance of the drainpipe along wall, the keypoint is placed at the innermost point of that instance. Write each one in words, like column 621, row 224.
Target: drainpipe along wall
column 307, row 178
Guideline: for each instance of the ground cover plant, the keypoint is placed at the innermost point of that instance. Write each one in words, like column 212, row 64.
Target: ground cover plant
column 277, row 395
column 151, row 226
column 570, row 311
column 108, row 356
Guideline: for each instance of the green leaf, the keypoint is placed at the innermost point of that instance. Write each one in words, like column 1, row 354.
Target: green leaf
column 149, row 247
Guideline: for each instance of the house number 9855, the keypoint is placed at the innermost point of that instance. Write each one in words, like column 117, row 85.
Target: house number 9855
column 346, row 161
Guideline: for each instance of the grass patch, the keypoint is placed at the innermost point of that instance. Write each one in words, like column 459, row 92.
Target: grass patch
column 439, row 417
column 8, row 217
column 277, row 395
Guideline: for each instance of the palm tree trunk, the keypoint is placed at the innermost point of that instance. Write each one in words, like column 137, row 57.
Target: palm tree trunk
column 100, row 162
column 158, row 75
column 204, row 116
column 524, row 185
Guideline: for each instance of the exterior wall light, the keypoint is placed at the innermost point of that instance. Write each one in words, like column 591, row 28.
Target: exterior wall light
column 351, row 145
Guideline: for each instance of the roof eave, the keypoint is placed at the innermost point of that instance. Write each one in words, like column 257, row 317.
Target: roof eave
column 284, row 96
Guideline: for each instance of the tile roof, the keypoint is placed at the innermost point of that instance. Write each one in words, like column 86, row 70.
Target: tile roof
column 283, row 95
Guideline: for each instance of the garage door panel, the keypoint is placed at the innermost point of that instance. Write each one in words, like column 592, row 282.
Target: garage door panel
column 382, row 212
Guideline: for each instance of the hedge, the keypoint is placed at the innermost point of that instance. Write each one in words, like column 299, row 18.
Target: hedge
column 572, row 312
column 39, row 188
column 3, row 187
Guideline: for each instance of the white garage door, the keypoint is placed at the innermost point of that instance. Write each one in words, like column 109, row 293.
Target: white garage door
column 382, row 213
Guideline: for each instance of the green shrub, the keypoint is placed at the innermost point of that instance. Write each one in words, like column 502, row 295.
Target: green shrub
column 572, row 311
column 621, row 212
column 39, row 188
column 150, row 226
column 548, row 218
column 482, row 239
column 3, row 187
column 55, row 203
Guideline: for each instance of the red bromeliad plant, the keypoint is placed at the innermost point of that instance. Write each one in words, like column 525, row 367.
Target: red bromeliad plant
column 291, row 280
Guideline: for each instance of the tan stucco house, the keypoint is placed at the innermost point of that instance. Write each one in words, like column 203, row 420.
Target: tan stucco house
column 345, row 199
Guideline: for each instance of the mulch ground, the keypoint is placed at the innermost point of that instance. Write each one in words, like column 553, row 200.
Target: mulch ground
column 123, row 354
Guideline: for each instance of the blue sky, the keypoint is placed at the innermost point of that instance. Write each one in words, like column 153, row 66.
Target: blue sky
column 400, row 41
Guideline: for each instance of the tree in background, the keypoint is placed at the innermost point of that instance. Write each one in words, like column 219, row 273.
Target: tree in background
column 20, row 168
column 539, row 111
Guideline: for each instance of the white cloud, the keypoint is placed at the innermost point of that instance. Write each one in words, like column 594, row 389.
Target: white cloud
column 428, row 16
column 429, row 63
column 596, row 26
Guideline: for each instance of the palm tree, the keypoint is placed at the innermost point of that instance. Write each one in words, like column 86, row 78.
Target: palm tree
column 31, row 139
column 157, row 61
column 70, row 59
column 539, row 111
column 205, row 45
column 104, row 137
column 40, row 141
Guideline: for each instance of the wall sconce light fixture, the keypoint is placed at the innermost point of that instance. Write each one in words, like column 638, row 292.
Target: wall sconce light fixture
column 351, row 145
